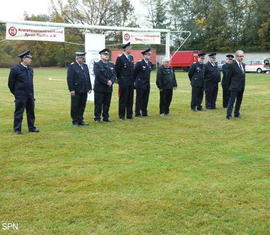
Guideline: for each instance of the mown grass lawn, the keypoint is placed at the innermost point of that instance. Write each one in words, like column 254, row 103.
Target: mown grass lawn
column 188, row 173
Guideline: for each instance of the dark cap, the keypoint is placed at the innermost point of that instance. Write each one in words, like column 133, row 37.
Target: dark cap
column 25, row 54
column 212, row 54
column 81, row 54
column 230, row 56
column 105, row 51
column 126, row 45
column 147, row 51
column 201, row 54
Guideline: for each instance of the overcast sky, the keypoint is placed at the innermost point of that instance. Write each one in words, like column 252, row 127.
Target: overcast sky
column 14, row 9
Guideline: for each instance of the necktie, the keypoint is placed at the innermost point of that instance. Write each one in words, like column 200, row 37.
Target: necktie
column 241, row 67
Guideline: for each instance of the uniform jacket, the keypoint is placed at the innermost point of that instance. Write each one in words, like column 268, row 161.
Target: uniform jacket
column 142, row 74
column 103, row 73
column 166, row 78
column 225, row 81
column 196, row 74
column 212, row 74
column 20, row 81
column 78, row 79
column 124, row 69
column 236, row 77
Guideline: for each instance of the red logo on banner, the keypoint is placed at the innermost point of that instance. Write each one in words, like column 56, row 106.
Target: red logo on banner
column 126, row 36
column 12, row 31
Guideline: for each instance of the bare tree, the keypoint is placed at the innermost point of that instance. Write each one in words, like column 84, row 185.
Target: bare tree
column 95, row 12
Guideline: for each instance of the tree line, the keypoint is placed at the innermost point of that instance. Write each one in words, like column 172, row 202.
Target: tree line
column 216, row 25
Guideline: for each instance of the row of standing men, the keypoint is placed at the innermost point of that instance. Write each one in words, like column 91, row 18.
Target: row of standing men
column 128, row 76
column 204, row 77
column 20, row 83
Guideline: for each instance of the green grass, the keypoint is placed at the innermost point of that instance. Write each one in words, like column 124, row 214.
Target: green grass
column 188, row 173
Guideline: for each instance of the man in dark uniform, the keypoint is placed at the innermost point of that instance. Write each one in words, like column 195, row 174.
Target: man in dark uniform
column 79, row 84
column 124, row 68
column 104, row 79
column 211, row 80
column 20, row 83
column 236, row 81
column 166, row 82
column 224, row 83
column 196, row 77
column 142, row 83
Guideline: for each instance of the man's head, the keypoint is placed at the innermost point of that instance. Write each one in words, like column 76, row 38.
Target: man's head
column 127, row 48
column 105, row 54
column 239, row 55
column 212, row 57
column 166, row 62
column 229, row 58
column 80, row 57
column 147, row 54
column 201, row 57
column 26, row 58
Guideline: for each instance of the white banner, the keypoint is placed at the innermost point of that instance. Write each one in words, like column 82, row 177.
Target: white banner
column 93, row 44
column 141, row 37
column 36, row 33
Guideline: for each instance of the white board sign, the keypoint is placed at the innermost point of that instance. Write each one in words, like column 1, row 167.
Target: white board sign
column 141, row 37
column 35, row 33
column 93, row 44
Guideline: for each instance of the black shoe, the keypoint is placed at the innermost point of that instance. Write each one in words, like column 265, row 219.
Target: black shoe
column 130, row 117
column 98, row 121
column 34, row 130
column 228, row 117
column 107, row 120
column 138, row 115
column 237, row 116
column 18, row 132
column 75, row 123
column 83, row 123
column 199, row 109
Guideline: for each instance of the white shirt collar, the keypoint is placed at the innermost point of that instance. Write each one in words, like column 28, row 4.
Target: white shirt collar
column 24, row 65
column 238, row 62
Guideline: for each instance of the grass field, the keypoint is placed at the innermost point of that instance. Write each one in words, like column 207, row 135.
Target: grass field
column 188, row 173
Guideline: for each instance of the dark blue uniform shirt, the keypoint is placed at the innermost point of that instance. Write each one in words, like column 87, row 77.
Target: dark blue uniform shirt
column 196, row 74
column 104, row 71
column 142, row 74
column 20, row 81
column 124, row 68
column 78, row 78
